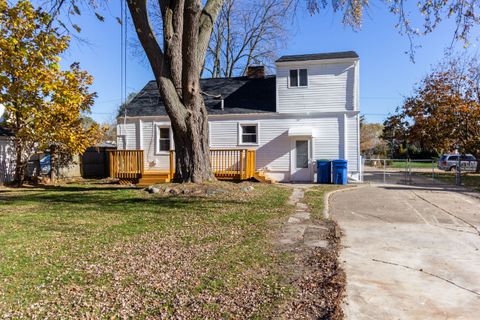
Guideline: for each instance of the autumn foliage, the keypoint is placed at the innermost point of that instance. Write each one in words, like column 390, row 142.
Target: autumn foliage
column 444, row 112
column 44, row 104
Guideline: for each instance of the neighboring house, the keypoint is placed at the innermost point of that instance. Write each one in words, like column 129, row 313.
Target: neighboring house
column 308, row 111
column 39, row 164
column 7, row 156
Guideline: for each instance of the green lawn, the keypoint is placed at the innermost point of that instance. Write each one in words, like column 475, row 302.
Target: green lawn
column 314, row 198
column 95, row 250
column 419, row 165
column 471, row 180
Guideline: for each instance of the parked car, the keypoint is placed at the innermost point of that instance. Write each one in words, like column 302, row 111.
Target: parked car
column 449, row 162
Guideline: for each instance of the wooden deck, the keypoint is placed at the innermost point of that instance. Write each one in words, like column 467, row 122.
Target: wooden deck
column 227, row 164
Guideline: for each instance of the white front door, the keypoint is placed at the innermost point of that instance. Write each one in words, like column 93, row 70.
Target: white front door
column 300, row 163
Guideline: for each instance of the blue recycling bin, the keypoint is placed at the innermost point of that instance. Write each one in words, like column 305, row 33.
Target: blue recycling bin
column 339, row 170
column 324, row 171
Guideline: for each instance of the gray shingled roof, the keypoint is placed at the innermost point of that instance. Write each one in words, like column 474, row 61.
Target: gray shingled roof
column 5, row 132
column 241, row 95
column 319, row 56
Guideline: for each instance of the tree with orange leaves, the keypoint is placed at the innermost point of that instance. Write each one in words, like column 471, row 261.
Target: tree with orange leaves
column 444, row 111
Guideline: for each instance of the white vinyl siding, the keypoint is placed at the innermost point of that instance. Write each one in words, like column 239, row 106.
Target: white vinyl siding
column 353, row 151
column 274, row 144
column 154, row 159
column 273, row 150
column 127, row 136
column 328, row 144
column 7, row 159
column 331, row 88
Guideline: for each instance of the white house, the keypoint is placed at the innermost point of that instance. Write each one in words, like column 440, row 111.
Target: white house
column 7, row 156
column 308, row 111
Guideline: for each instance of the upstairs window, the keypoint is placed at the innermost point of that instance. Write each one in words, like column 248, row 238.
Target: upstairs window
column 249, row 134
column 164, row 139
column 298, row 78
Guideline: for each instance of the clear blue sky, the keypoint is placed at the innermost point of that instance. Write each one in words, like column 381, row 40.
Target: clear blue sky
column 387, row 74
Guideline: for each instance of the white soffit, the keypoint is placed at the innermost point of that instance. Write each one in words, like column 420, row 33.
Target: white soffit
column 300, row 132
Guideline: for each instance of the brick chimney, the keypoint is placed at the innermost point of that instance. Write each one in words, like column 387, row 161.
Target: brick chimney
column 256, row 72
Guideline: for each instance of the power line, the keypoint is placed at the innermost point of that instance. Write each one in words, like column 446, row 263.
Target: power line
column 121, row 49
column 381, row 98
column 125, row 43
column 108, row 101
column 123, row 63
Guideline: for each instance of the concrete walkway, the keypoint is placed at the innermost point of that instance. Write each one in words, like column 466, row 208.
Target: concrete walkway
column 409, row 252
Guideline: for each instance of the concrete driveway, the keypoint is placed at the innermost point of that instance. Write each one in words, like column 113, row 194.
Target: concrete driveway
column 410, row 252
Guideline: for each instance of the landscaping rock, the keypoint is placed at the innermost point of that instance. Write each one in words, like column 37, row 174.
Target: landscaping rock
column 153, row 190
column 174, row 191
column 247, row 189
column 212, row 192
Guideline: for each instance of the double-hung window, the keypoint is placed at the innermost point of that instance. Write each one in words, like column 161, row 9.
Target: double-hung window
column 163, row 139
column 298, row 78
column 249, row 133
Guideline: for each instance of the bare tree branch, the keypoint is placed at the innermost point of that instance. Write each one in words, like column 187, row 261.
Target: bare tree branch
column 247, row 32
column 207, row 20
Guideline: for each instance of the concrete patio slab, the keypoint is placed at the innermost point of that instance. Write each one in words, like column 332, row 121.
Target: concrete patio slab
column 409, row 252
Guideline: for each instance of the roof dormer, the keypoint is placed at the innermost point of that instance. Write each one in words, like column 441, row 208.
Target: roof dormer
column 322, row 82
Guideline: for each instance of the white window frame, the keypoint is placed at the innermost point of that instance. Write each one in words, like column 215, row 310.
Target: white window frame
column 298, row 78
column 240, row 141
column 157, row 138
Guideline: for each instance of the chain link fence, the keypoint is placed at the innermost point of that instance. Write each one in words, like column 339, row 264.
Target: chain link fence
column 406, row 171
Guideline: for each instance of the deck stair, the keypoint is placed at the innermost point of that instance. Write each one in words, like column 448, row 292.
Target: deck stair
column 260, row 176
column 153, row 177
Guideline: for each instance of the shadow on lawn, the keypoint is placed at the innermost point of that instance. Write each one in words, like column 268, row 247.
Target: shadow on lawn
column 65, row 188
column 106, row 198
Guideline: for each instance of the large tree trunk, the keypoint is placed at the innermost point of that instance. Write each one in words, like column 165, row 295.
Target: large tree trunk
column 53, row 164
column 191, row 147
column 19, row 175
column 186, row 32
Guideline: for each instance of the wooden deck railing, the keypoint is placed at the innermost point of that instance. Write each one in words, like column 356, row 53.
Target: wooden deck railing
column 226, row 163
column 126, row 164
